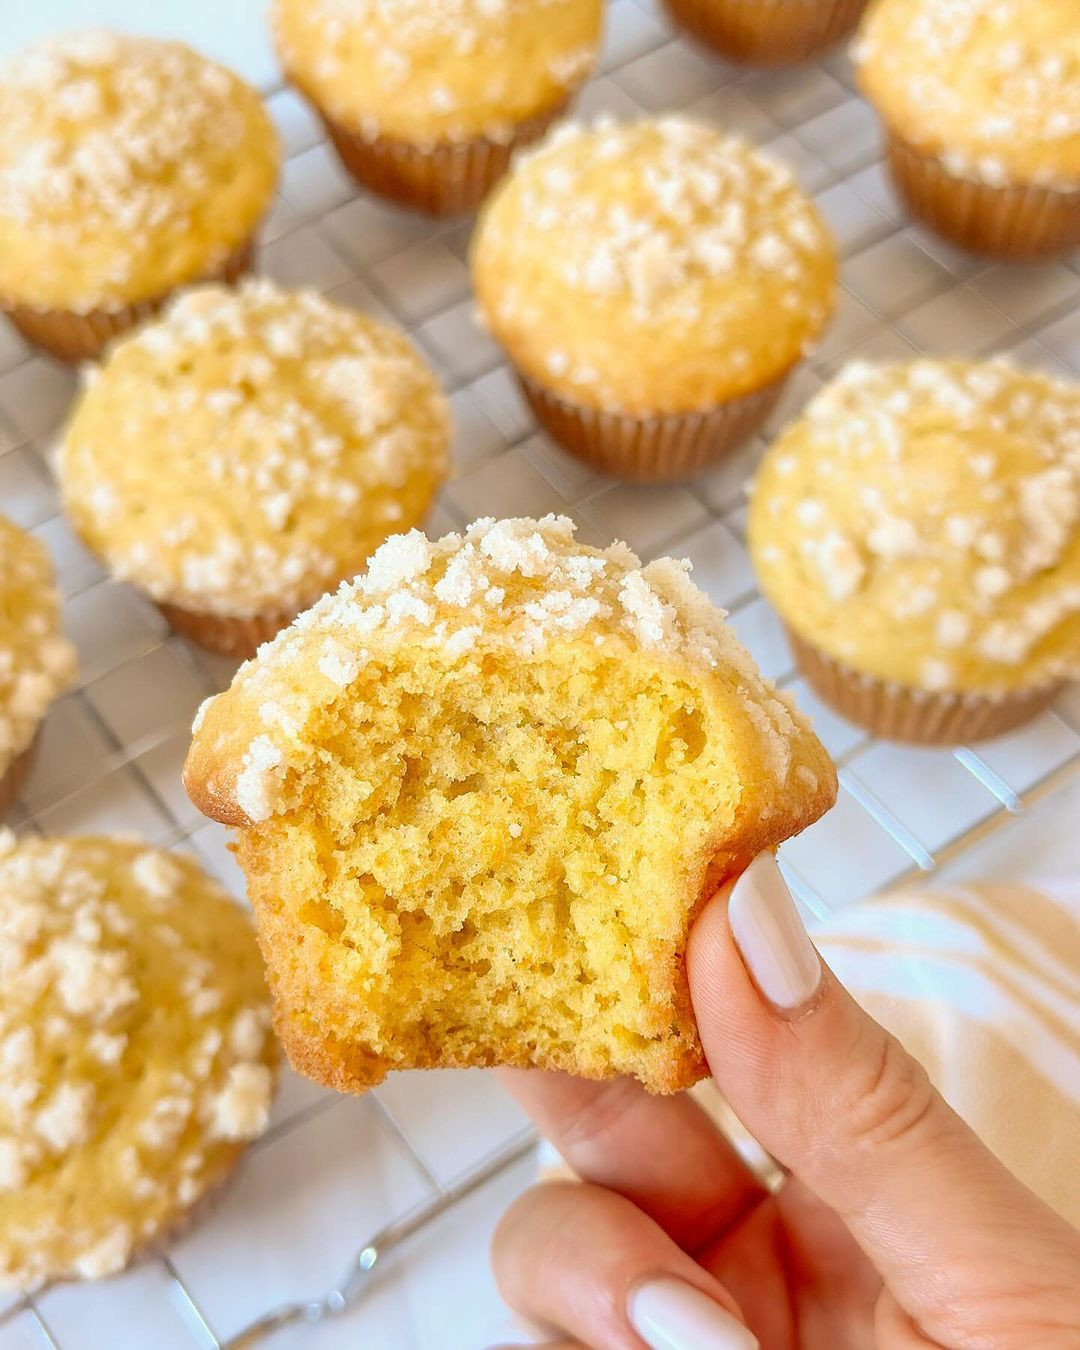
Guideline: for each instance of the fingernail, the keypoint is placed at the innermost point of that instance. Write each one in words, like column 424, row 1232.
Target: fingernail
column 669, row 1314
column 770, row 935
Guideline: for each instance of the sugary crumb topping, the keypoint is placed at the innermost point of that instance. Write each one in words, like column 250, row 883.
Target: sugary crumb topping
column 520, row 585
column 440, row 63
column 36, row 662
column 294, row 434
column 706, row 205
column 106, row 134
column 665, row 227
column 134, row 1032
column 242, row 1107
column 947, row 493
column 998, row 81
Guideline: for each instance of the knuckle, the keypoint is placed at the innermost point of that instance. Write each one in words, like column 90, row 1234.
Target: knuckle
column 889, row 1095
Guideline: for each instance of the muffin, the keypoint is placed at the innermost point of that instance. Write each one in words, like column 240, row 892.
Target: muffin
column 918, row 531
column 36, row 662
column 128, row 167
column 980, row 101
column 135, row 1051
column 653, row 284
column 426, row 100
column 247, row 451
column 767, row 32
column 481, row 794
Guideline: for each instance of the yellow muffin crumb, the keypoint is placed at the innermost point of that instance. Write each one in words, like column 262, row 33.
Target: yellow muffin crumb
column 36, row 661
column 135, row 1052
column 655, row 267
column 482, row 793
column 251, row 448
column 992, row 86
column 921, row 524
column 432, row 71
column 128, row 166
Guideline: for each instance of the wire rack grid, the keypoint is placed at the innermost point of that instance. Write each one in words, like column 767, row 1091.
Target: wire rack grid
column 331, row 1172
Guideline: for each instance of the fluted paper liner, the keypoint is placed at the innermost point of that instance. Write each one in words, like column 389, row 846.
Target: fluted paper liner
column 83, row 337
column 767, row 32
column 447, row 179
column 228, row 635
column 1015, row 222
column 660, row 449
column 898, row 712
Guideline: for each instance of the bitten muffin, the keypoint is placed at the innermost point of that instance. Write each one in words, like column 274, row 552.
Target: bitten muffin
column 653, row 283
column 136, row 1057
column 980, row 100
column 36, row 661
column 481, row 795
column 248, row 451
column 767, row 32
column 426, row 100
column 918, row 530
column 128, row 167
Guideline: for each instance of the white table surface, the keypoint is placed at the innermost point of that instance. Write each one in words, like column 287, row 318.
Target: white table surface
column 333, row 1169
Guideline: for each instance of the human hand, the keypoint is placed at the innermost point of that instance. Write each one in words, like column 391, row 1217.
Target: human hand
column 895, row 1226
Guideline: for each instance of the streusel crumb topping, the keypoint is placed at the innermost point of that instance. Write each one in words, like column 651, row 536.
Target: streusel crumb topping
column 291, row 434
column 522, row 587
column 942, row 497
column 135, row 1050
column 992, row 85
column 688, row 245
column 432, row 71
column 117, row 152
column 37, row 662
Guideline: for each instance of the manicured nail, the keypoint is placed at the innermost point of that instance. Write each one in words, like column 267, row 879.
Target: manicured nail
column 770, row 935
column 669, row 1314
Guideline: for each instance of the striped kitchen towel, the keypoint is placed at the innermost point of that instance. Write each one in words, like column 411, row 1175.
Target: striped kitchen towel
column 981, row 982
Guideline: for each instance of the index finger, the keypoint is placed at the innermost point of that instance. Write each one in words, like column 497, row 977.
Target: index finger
column 665, row 1154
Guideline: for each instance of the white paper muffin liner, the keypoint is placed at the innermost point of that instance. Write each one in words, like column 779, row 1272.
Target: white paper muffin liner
column 767, row 32
column 1015, row 222
column 659, row 449
column 228, row 635
column 446, row 179
column 898, row 712
column 71, row 336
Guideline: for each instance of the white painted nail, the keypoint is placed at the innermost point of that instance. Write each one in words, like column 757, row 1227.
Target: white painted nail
column 669, row 1314
column 770, row 935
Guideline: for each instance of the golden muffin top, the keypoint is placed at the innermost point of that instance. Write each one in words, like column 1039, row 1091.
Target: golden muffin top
column 128, row 166
column 135, row 1050
column 922, row 523
column 430, row 71
column 36, row 661
column 655, row 267
column 504, row 590
column 993, row 86
column 251, row 448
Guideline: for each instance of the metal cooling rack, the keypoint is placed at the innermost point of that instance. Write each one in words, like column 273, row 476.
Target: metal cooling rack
column 331, row 1172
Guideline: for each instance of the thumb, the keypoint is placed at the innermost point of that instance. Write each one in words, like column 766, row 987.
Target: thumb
column 839, row 1102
